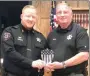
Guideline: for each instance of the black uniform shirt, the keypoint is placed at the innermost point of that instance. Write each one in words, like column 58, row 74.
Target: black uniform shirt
column 68, row 42
column 21, row 47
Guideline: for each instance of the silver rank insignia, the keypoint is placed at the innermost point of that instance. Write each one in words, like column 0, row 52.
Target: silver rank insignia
column 38, row 39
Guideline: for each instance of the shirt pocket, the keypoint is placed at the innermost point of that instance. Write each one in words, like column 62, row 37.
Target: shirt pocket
column 20, row 47
column 20, row 42
column 39, row 45
column 36, row 53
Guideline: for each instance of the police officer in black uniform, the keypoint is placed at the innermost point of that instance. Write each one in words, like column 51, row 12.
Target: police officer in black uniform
column 22, row 46
column 70, row 44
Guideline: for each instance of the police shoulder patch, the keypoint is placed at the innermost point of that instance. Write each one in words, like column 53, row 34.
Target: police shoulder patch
column 6, row 36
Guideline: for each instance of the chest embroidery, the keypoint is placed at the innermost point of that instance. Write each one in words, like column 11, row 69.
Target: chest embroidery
column 69, row 37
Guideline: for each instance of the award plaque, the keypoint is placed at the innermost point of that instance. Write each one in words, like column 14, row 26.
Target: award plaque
column 47, row 56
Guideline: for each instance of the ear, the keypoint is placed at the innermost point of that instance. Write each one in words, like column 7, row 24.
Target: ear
column 56, row 19
column 21, row 16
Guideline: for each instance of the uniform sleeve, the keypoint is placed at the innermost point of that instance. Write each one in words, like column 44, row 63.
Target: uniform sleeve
column 10, row 52
column 82, row 41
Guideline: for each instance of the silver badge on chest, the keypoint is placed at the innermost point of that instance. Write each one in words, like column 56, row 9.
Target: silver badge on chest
column 69, row 37
column 38, row 39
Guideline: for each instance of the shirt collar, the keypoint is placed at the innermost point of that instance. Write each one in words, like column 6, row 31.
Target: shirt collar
column 59, row 29
column 23, row 29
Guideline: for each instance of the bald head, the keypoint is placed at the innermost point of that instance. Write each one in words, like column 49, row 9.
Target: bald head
column 63, row 6
column 63, row 15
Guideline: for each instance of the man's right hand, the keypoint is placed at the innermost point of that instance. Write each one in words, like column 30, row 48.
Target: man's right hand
column 38, row 64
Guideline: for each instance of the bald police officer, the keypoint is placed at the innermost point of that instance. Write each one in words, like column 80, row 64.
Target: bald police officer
column 70, row 44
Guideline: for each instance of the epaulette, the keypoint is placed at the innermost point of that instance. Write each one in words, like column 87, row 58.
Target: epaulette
column 15, row 27
column 35, row 31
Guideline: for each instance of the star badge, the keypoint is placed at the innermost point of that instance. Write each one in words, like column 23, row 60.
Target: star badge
column 69, row 37
column 38, row 39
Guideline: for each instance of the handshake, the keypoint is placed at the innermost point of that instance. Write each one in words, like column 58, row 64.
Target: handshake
column 49, row 66
column 47, row 56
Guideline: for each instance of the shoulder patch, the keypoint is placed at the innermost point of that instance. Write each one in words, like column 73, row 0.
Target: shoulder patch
column 6, row 36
